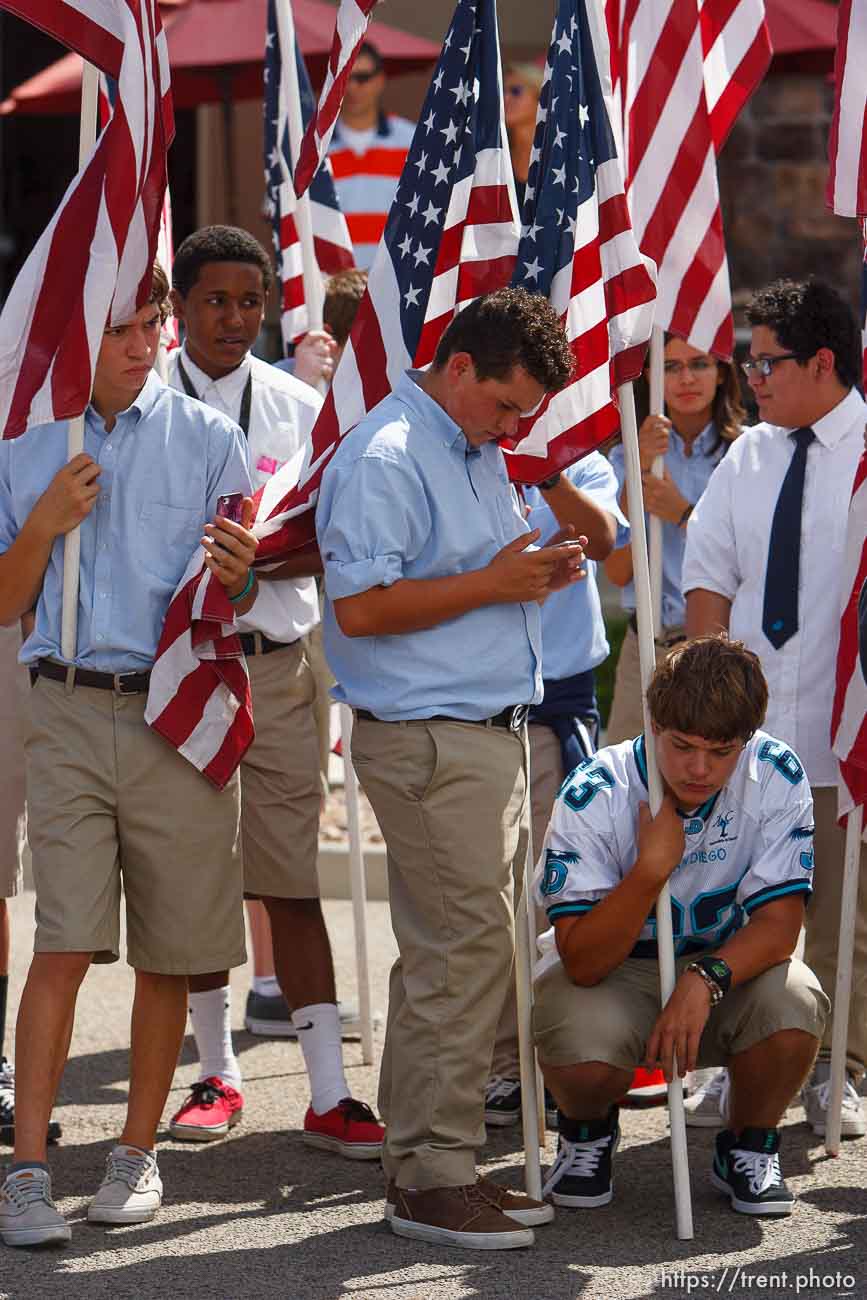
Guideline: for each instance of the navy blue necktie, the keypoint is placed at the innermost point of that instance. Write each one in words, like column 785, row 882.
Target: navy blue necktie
column 780, row 612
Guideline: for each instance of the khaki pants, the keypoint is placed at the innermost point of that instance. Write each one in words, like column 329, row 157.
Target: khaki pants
column 612, row 1021
column 823, row 925
column 14, row 692
column 450, row 798
column 627, row 718
column 546, row 777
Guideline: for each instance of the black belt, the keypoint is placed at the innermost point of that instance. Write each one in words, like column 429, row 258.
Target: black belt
column 665, row 641
column 512, row 718
column 257, row 643
column 131, row 683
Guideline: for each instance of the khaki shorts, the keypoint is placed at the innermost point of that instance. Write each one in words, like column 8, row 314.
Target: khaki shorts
column 626, row 719
column 612, row 1021
column 110, row 801
column 14, row 690
column 280, row 783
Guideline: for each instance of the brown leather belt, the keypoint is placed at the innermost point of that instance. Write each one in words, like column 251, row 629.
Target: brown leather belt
column 130, row 683
column 666, row 642
column 512, row 718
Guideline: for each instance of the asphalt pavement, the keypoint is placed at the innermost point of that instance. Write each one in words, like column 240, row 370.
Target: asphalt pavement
column 260, row 1215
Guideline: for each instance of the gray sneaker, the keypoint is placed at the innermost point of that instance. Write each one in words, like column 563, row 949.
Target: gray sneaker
column 708, row 1105
column 816, row 1095
column 131, row 1191
column 268, row 1016
column 28, row 1215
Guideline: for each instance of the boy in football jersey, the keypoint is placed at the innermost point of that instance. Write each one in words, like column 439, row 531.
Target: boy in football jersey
column 734, row 839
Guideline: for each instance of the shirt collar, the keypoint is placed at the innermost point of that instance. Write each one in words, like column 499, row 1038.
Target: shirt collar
column 702, row 443
column 839, row 420
column 433, row 415
column 141, row 405
column 229, row 388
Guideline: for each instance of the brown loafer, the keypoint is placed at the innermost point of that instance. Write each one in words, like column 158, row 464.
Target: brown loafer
column 456, row 1216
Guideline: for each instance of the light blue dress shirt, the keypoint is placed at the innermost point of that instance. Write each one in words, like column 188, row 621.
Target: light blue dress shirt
column 406, row 496
column 690, row 475
column 573, row 629
column 164, row 464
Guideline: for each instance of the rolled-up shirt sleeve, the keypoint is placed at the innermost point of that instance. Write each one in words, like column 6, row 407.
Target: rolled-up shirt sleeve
column 8, row 526
column 710, row 561
column 376, row 523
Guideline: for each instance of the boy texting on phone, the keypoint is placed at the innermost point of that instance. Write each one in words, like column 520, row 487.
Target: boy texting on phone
column 109, row 801
column 221, row 280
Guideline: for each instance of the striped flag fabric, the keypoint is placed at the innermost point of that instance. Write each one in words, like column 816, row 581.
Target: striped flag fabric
column 579, row 250
column 864, row 305
column 849, row 713
column 847, row 150
column 350, row 27
column 96, row 255
column 331, row 241
column 684, row 69
column 452, row 234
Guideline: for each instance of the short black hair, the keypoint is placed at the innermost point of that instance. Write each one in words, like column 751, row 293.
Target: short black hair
column 807, row 315
column 372, row 52
column 217, row 244
column 509, row 328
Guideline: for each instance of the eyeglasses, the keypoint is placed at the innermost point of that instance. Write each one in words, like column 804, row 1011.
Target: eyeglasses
column 362, row 78
column 697, row 366
column 764, row 366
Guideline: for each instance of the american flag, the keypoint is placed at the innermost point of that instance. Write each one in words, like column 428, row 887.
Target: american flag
column 684, row 69
column 849, row 714
column 331, row 241
column 353, row 17
column 847, row 148
column 578, row 249
column 864, row 304
column 452, row 234
column 169, row 337
column 96, row 255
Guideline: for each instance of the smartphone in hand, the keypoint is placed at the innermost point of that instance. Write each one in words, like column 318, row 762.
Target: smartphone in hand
column 229, row 506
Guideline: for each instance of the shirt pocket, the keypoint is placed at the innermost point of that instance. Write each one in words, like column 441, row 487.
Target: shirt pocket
column 168, row 535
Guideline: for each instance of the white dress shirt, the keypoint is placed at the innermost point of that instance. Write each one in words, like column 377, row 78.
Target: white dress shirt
column 727, row 552
column 283, row 412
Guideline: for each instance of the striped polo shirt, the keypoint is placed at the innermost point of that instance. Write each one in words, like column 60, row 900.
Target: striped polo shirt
column 366, row 176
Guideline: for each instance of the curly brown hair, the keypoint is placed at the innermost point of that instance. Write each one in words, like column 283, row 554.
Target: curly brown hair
column 160, row 292
column 509, row 328
column 710, row 687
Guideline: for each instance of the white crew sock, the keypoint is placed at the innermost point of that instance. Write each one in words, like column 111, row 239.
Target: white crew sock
column 266, row 986
column 211, row 1016
column 318, row 1029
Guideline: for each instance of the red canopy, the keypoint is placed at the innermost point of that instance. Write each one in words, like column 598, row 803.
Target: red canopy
column 216, row 49
column 803, row 35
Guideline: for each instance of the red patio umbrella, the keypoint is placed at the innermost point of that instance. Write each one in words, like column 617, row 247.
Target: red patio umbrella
column 216, row 51
column 803, row 35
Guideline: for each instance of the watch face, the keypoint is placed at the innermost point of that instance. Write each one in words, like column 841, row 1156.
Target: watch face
column 719, row 969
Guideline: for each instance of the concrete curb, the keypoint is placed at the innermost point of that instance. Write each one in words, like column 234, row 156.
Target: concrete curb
column 333, row 867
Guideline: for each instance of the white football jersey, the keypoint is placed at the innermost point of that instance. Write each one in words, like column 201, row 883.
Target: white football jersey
column 748, row 845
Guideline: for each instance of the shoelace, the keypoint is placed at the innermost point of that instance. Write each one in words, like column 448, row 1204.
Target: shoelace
column 205, row 1093
column 353, row 1109
column 717, row 1089
column 127, row 1168
column 500, row 1087
column 763, row 1170
column 581, row 1158
column 851, row 1097
column 26, row 1191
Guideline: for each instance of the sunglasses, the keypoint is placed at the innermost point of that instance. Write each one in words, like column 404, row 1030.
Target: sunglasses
column 362, row 78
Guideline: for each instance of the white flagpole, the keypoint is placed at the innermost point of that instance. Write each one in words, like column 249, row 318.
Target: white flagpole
column 647, row 657
column 843, row 988
column 532, row 1104
column 657, row 407
column 75, row 436
column 314, row 297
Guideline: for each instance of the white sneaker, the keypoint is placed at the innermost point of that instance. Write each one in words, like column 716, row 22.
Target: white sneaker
column 816, row 1095
column 708, row 1106
column 131, row 1191
column 28, row 1215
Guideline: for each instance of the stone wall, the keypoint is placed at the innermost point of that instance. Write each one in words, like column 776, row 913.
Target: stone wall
column 773, row 172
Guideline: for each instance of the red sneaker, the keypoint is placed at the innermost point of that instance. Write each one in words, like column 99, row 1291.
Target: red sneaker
column 351, row 1129
column 648, row 1088
column 212, row 1108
